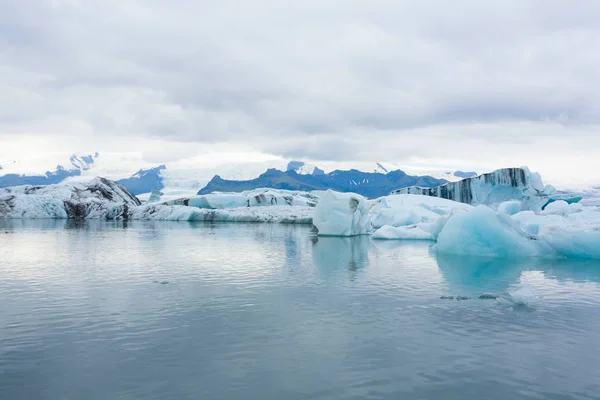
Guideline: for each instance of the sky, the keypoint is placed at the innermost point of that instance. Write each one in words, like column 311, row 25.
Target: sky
column 467, row 84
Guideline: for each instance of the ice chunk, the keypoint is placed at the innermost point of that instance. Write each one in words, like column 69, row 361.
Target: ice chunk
column 341, row 214
column 582, row 244
column 522, row 296
column 484, row 232
column 413, row 232
column 402, row 210
column 104, row 199
column 275, row 214
column 559, row 207
column 253, row 198
column 155, row 196
column 219, row 201
column 510, row 207
column 98, row 198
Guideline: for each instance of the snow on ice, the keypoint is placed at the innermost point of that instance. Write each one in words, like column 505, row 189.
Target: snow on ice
column 105, row 199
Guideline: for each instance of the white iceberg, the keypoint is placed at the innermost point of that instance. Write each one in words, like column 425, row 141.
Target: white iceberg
column 411, row 216
column 341, row 214
column 275, row 214
column 104, row 199
column 402, row 210
column 412, row 232
column 253, row 198
column 97, row 199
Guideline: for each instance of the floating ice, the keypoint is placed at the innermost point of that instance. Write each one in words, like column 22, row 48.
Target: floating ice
column 494, row 188
column 105, row 199
column 411, row 216
column 253, row 198
column 510, row 207
column 414, row 232
column 522, row 296
column 484, row 232
column 402, row 210
column 341, row 214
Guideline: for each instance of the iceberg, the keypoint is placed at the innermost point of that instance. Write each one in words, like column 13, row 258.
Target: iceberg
column 250, row 198
column 99, row 198
column 559, row 230
column 341, row 214
column 104, row 199
column 485, row 232
column 402, row 210
column 275, row 214
column 494, row 188
column 411, row 216
column 413, row 232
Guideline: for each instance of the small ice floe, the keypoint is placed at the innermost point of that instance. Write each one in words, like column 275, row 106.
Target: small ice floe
column 520, row 298
column 488, row 296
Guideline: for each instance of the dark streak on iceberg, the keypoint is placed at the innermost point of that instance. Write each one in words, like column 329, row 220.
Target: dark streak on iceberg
column 512, row 181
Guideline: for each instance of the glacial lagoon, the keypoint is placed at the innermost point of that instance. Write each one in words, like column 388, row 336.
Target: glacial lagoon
column 159, row 310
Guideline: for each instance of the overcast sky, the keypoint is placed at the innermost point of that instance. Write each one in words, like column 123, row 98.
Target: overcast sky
column 467, row 84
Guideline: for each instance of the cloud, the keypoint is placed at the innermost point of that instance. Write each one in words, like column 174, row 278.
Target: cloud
column 466, row 82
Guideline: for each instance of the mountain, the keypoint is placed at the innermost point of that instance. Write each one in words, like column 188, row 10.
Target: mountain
column 304, row 169
column 78, row 165
column 368, row 184
column 144, row 181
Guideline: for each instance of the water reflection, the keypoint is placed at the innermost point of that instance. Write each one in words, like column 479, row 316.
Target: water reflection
column 472, row 275
column 572, row 270
column 330, row 254
column 469, row 276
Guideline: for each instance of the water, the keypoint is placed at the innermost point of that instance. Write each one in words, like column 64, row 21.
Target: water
column 181, row 311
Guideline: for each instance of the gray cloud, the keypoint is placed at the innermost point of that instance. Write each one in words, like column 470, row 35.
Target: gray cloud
column 321, row 79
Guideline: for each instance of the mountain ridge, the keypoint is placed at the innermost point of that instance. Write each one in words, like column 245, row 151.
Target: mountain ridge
column 368, row 184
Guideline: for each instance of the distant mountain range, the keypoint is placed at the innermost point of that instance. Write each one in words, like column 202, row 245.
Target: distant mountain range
column 145, row 180
column 298, row 175
column 78, row 165
column 368, row 184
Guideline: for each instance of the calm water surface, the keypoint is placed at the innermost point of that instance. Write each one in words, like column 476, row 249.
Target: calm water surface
column 183, row 311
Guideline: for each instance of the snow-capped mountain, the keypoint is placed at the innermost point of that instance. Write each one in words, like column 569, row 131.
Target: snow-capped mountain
column 304, row 169
column 188, row 176
column 10, row 174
